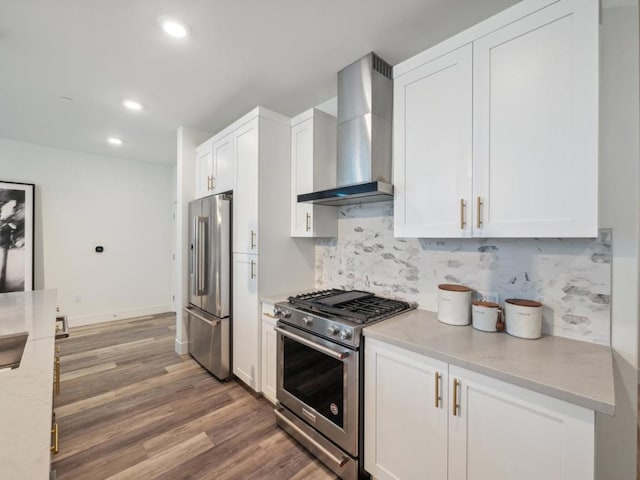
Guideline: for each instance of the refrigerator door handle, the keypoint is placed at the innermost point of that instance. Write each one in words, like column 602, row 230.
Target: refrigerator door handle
column 194, row 256
column 202, row 256
column 191, row 311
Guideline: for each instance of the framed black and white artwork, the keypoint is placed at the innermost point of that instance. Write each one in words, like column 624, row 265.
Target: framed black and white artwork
column 16, row 236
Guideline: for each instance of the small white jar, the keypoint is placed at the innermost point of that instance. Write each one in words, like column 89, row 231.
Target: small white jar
column 454, row 304
column 523, row 318
column 485, row 316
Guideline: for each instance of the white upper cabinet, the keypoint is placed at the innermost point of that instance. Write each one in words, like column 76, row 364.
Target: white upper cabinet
column 536, row 124
column 246, row 147
column 496, row 129
column 313, row 168
column 214, row 166
column 223, row 165
column 433, row 147
column 204, row 170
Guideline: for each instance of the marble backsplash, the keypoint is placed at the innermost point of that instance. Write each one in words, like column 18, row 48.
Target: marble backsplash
column 570, row 277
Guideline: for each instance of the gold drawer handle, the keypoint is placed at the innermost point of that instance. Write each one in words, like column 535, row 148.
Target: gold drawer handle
column 479, row 209
column 308, row 222
column 462, row 206
column 456, row 404
column 438, row 398
column 55, row 448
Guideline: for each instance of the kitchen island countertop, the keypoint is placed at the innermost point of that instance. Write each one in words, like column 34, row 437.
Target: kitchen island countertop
column 26, row 394
column 577, row 372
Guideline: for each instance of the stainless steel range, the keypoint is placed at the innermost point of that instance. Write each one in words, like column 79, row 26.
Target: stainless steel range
column 320, row 372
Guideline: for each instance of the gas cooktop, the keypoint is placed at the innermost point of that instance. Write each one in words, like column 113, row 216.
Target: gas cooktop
column 354, row 305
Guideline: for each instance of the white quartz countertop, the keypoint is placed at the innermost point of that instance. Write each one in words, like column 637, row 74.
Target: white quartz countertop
column 26, row 392
column 577, row 372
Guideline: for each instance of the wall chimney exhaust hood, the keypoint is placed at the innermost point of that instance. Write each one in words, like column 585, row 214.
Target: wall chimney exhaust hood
column 365, row 107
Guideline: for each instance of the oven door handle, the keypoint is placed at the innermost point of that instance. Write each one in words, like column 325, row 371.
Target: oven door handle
column 321, row 348
column 340, row 461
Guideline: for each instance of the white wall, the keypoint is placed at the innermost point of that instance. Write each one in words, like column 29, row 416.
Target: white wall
column 619, row 209
column 84, row 200
column 188, row 140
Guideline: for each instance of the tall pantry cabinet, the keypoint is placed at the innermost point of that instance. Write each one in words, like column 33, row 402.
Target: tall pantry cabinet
column 266, row 260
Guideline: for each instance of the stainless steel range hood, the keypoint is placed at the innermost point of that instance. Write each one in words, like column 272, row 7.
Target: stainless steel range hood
column 365, row 106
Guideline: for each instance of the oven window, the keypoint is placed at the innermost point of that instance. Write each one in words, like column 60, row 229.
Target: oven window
column 315, row 379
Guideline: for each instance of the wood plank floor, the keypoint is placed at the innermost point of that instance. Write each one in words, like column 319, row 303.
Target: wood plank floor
column 131, row 408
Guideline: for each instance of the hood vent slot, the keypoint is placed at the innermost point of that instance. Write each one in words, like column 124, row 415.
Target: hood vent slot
column 381, row 66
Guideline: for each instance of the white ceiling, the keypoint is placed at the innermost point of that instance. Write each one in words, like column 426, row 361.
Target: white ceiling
column 282, row 54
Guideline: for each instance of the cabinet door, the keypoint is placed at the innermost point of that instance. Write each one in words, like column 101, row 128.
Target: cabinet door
column 223, row 171
column 433, row 148
column 405, row 424
column 246, row 320
column 536, row 124
column 246, row 148
column 269, row 345
column 301, row 178
column 204, row 170
column 503, row 432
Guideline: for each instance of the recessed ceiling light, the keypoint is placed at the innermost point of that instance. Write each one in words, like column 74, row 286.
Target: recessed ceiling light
column 114, row 141
column 174, row 28
column 132, row 105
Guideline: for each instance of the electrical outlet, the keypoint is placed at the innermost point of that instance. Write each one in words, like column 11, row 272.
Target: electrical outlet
column 77, row 298
column 493, row 297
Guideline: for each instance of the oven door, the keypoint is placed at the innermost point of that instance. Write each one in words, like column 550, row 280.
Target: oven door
column 318, row 381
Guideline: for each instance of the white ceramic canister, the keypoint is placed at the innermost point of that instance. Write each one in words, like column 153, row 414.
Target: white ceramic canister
column 454, row 304
column 523, row 318
column 485, row 316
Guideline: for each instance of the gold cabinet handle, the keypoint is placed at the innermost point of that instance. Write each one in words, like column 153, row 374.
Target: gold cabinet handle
column 57, row 367
column 438, row 398
column 308, row 224
column 456, row 404
column 55, row 447
column 479, row 209
column 253, row 240
column 270, row 315
column 462, row 206
column 253, row 272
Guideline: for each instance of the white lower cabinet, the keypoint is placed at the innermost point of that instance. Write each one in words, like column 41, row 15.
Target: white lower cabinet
column 462, row 425
column 269, row 357
column 246, row 320
column 405, row 434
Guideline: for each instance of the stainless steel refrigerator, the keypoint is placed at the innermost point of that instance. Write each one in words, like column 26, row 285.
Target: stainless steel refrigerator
column 208, row 313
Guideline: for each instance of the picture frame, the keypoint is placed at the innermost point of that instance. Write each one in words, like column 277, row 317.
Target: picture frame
column 17, row 222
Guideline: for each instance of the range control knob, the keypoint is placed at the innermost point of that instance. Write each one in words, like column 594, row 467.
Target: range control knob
column 282, row 313
column 345, row 335
column 333, row 330
column 307, row 321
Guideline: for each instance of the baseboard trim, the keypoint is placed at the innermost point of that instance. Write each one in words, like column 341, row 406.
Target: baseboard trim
column 82, row 320
column 182, row 348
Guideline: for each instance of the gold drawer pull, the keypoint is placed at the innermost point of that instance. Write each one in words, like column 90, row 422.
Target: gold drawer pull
column 462, row 206
column 438, row 398
column 479, row 209
column 456, row 404
column 55, row 447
